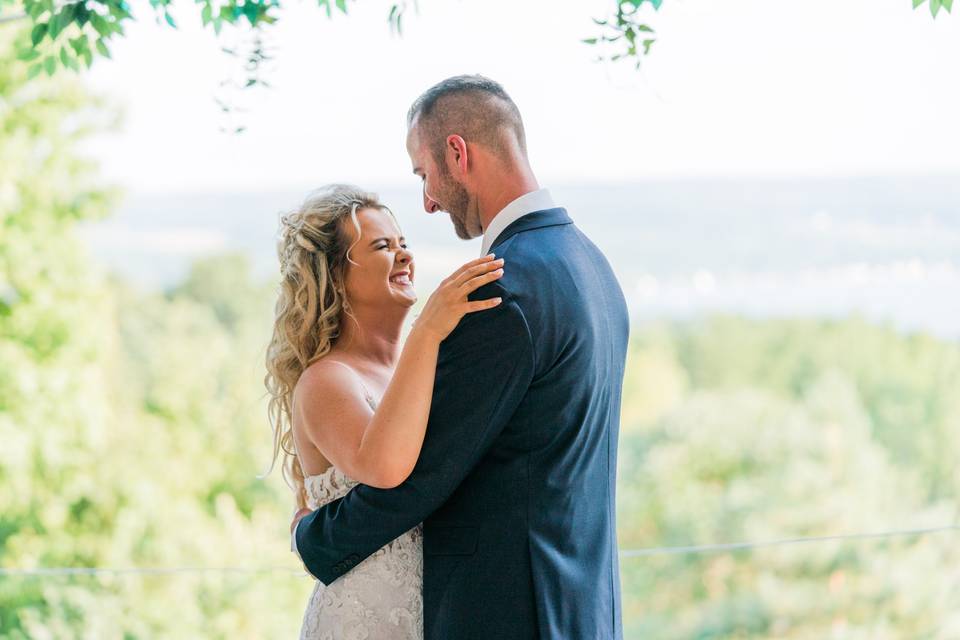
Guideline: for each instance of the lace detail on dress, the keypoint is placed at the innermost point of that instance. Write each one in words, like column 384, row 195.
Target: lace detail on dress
column 379, row 599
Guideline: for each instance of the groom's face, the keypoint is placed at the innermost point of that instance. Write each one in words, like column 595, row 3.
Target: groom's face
column 441, row 191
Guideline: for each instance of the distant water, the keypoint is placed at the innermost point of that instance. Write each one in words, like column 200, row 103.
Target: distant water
column 885, row 248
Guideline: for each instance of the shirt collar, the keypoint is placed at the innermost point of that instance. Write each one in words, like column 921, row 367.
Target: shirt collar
column 527, row 203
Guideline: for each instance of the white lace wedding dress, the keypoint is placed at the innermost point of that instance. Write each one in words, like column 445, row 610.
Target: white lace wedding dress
column 379, row 599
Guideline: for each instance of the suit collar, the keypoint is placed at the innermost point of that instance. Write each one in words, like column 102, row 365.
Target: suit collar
column 526, row 204
column 534, row 220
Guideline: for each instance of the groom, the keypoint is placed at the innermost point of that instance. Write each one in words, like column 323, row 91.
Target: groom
column 515, row 481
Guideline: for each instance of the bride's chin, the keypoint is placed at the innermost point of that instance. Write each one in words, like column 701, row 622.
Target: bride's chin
column 405, row 299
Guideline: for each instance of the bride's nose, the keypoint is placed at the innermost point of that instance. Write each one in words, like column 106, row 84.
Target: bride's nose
column 404, row 256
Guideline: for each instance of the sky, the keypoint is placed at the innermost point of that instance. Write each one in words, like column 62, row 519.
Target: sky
column 737, row 88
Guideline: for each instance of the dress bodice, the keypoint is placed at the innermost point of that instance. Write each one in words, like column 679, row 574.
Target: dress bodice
column 326, row 487
column 381, row 598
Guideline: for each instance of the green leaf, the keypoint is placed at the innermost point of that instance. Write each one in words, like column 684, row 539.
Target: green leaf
column 26, row 55
column 99, row 24
column 34, row 71
column 38, row 32
column 54, row 27
column 36, row 10
column 589, row 41
column 934, row 7
column 917, row 3
column 207, row 14
column 67, row 14
column 169, row 19
column 646, row 46
column 88, row 57
column 643, row 27
column 119, row 10
column 82, row 15
column 102, row 48
column 78, row 44
column 342, row 5
column 252, row 11
column 67, row 60
column 50, row 65
column 947, row 4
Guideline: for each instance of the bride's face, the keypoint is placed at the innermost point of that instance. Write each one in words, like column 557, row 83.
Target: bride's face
column 382, row 269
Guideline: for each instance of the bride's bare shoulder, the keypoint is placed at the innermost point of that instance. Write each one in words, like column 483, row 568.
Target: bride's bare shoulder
column 327, row 378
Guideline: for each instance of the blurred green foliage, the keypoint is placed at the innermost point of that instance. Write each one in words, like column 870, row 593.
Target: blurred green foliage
column 935, row 5
column 132, row 425
column 133, row 428
column 747, row 430
column 71, row 34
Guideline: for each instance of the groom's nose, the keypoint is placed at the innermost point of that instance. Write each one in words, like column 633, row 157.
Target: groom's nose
column 429, row 204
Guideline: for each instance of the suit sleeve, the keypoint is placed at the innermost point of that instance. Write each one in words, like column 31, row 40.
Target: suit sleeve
column 484, row 370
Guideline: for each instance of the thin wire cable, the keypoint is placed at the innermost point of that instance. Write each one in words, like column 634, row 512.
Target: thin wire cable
column 737, row 546
column 626, row 553
column 98, row 571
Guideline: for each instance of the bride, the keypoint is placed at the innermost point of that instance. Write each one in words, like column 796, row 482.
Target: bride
column 347, row 404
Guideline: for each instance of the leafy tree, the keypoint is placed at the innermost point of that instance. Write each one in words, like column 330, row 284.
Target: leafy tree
column 71, row 34
column 52, row 397
column 132, row 426
column 737, row 430
column 910, row 385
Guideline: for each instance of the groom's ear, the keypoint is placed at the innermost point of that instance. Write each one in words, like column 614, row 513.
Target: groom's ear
column 457, row 153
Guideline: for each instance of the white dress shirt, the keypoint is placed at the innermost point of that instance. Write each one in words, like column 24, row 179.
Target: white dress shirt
column 526, row 204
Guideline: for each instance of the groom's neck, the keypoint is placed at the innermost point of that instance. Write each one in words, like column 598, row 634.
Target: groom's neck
column 500, row 188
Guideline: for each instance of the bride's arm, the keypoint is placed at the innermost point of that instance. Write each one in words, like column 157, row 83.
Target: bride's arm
column 380, row 448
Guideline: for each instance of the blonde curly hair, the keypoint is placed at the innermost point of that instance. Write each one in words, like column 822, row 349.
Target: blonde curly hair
column 314, row 254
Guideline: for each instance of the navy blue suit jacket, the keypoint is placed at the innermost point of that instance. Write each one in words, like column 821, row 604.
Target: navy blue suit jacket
column 516, row 479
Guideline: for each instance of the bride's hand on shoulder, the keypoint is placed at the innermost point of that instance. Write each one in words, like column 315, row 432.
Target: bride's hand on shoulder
column 449, row 303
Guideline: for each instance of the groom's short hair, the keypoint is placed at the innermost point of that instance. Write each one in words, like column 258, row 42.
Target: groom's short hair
column 471, row 106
